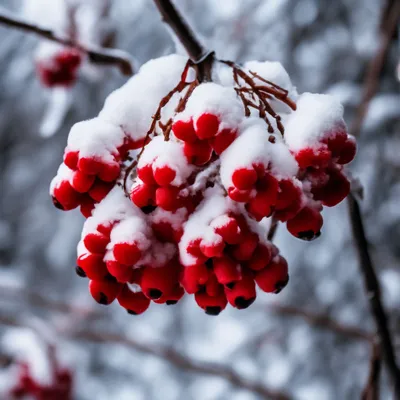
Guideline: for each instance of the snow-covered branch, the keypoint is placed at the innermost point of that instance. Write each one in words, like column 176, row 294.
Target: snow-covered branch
column 96, row 55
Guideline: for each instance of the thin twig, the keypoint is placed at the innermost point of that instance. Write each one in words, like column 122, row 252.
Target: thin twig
column 36, row 299
column 367, row 268
column 170, row 355
column 96, row 55
column 322, row 321
column 371, row 390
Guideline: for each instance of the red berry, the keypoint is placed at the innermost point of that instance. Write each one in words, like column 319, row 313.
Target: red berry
column 309, row 157
column 104, row 292
column 109, row 172
column 244, row 178
column 243, row 292
column 211, row 305
column 348, row 151
column 82, row 182
column 241, row 196
column 90, row 165
column 214, row 249
column 198, row 153
column 213, row 287
column 100, row 190
column 171, row 298
column 87, row 206
column 260, row 258
column 93, row 266
column 66, row 197
column 260, row 206
column 184, row 130
column 230, row 231
column 96, row 242
column 122, row 273
column 207, row 126
column 274, row 277
column 71, row 159
column 127, row 253
column 244, row 250
column 227, row 270
column 164, row 175
column 145, row 174
column 194, row 277
column 335, row 190
column 306, row 225
column 168, row 198
column 143, row 195
column 158, row 281
column 135, row 303
column 223, row 140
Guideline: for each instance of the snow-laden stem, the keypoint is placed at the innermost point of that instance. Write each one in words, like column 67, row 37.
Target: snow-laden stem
column 96, row 55
column 201, row 57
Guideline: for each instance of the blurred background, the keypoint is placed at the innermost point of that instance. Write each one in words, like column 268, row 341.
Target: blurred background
column 280, row 343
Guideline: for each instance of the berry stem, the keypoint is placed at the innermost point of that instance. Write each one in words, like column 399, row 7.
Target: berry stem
column 96, row 55
column 202, row 58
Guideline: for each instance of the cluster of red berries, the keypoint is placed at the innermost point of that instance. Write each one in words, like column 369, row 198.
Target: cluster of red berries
column 59, row 68
column 194, row 217
column 27, row 386
column 85, row 179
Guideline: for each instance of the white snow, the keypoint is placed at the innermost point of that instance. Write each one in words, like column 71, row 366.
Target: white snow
column 162, row 153
column 317, row 116
column 133, row 105
column 214, row 99
column 252, row 147
column 131, row 230
column 95, row 138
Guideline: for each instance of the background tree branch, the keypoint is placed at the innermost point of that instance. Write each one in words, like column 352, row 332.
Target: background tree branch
column 96, row 55
column 391, row 17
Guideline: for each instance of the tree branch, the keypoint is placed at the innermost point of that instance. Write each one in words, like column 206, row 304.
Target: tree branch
column 322, row 321
column 170, row 355
column 198, row 54
column 373, row 291
column 390, row 20
column 371, row 283
column 96, row 55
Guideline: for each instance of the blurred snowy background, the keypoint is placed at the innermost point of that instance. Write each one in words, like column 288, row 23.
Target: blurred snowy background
column 325, row 46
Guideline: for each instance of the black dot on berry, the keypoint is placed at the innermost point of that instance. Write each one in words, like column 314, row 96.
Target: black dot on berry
column 57, row 204
column 215, row 310
column 110, row 278
column 280, row 285
column 80, row 272
column 148, row 209
column 103, row 299
column 154, row 293
column 209, row 263
column 230, row 285
column 131, row 312
column 171, row 302
column 241, row 303
column 308, row 235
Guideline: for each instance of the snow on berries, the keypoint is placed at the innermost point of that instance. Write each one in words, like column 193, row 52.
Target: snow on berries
column 182, row 180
